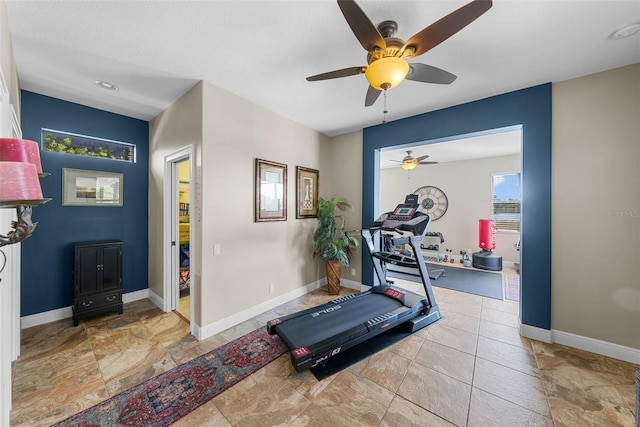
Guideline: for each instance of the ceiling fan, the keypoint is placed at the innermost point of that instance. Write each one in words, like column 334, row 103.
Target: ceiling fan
column 387, row 55
column 409, row 162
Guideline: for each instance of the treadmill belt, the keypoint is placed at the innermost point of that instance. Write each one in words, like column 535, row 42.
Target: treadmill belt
column 309, row 329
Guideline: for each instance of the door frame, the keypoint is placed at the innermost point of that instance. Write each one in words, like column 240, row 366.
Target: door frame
column 171, row 245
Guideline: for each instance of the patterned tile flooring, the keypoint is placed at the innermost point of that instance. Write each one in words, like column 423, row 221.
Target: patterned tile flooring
column 469, row 369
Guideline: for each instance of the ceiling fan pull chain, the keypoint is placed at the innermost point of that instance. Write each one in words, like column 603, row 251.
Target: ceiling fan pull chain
column 384, row 112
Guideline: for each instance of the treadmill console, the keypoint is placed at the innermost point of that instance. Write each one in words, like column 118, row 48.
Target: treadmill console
column 402, row 213
column 405, row 217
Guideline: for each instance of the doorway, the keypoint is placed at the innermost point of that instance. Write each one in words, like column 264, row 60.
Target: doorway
column 178, row 225
column 184, row 240
column 464, row 179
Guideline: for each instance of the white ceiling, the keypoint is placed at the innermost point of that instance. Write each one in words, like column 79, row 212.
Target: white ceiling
column 456, row 150
column 263, row 50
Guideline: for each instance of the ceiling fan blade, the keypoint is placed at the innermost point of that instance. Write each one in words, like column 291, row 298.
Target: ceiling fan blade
column 421, row 158
column 428, row 74
column 444, row 28
column 362, row 27
column 345, row 72
column 428, row 163
column 372, row 96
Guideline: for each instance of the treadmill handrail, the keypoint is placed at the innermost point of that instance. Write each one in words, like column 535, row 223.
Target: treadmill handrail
column 414, row 242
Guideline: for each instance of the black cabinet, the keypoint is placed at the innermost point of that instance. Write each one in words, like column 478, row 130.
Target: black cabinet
column 97, row 279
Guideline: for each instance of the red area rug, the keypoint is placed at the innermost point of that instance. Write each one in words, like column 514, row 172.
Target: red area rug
column 164, row 399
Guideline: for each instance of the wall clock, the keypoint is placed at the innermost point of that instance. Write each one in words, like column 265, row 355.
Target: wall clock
column 433, row 201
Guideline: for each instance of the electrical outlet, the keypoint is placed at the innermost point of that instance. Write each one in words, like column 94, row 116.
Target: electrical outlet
column 272, row 288
column 216, row 249
column 353, row 271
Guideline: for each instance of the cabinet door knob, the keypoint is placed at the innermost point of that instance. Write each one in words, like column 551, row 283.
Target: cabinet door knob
column 111, row 298
column 87, row 304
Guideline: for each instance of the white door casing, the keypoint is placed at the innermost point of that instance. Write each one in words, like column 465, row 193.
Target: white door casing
column 171, row 247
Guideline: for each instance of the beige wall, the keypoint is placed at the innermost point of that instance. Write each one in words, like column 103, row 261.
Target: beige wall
column 252, row 255
column 596, row 206
column 467, row 185
column 346, row 181
column 175, row 128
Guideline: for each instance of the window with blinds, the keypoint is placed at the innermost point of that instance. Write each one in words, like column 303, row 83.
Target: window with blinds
column 506, row 201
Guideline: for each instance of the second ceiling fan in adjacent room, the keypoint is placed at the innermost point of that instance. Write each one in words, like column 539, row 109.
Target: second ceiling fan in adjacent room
column 409, row 162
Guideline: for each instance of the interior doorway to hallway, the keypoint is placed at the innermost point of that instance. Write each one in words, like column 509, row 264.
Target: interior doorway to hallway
column 184, row 241
column 179, row 202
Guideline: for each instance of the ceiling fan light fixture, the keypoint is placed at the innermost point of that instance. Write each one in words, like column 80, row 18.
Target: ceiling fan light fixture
column 387, row 73
column 409, row 165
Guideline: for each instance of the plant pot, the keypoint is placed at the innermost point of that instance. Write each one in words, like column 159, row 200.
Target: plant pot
column 334, row 271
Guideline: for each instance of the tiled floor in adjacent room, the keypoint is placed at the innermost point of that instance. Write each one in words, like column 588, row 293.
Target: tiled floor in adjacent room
column 469, row 369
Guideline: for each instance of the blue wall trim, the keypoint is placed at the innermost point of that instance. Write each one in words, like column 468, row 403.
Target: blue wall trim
column 47, row 256
column 529, row 109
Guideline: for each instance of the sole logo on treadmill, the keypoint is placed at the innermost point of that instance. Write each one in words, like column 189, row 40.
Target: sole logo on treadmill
column 326, row 310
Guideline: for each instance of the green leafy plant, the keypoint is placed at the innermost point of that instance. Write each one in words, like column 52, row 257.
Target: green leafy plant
column 80, row 146
column 330, row 239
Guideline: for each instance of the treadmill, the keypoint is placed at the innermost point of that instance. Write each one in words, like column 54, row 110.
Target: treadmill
column 316, row 334
column 398, row 272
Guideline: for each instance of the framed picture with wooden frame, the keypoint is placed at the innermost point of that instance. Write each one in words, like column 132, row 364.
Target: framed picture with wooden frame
column 270, row 191
column 307, row 186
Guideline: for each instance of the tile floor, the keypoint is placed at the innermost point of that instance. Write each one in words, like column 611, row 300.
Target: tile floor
column 469, row 369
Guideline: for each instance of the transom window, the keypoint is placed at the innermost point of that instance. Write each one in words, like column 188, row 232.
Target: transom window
column 83, row 145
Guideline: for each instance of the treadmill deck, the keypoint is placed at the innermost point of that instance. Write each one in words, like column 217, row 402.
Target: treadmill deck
column 315, row 334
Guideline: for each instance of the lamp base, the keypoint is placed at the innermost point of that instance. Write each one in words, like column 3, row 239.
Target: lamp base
column 22, row 228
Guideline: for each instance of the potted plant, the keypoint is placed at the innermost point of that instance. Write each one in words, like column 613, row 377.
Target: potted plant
column 331, row 241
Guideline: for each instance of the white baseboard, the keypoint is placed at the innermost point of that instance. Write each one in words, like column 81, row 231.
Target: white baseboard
column 211, row 329
column 46, row 317
column 135, row 295
column 155, row 298
column 616, row 351
column 350, row 284
column 535, row 333
column 231, row 321
column 604, row 348
column 67, row 312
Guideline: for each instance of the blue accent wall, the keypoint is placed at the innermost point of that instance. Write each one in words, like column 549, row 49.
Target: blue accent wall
column 47, row 256
column 529, row 109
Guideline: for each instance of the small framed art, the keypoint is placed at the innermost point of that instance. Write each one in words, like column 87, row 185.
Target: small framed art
column 307, row 184
column 270, row 191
